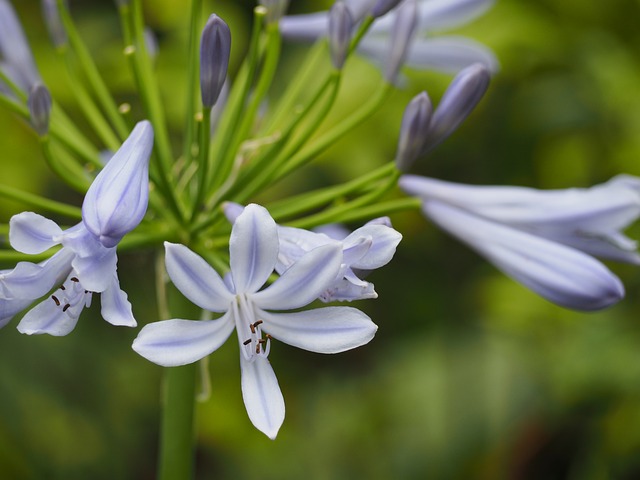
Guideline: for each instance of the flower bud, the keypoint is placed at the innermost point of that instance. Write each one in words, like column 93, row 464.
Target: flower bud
column 54, row 23
column 117, row 199
column 413, row 131
column 40, row 108
column 403, row 31
column 340, row 25
column 215, row 47
column 457, row 103
column 382, row 7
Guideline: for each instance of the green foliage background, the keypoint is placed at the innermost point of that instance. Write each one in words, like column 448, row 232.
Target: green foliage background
column 469, row 376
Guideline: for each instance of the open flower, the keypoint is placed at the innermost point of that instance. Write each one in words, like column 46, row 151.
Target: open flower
column 543, row 239
column 444, row 53
column 253, row 249
column 87, row 262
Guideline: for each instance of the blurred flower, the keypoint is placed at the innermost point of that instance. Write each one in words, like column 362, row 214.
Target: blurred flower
column 215, row 48
column 253, row 249
column 114, row 205
column 543, row 239
column 365, row 249
column 39, row 103
column 340, row 25
column 52, row 20
column 445, row 53
column 16, row 60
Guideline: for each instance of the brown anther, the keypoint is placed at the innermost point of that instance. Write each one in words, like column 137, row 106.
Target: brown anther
column 257, row 348
column 246, row 342
column 64, row 309
column 62, row 287
column 269, row 337
column 259, row 322
column 252, row 328
column 74, row 279
column 261, row 341
column 55, row 299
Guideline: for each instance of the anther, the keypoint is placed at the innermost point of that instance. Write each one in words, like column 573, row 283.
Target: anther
column 55, row 299
column 252, row 327
column 74, row 279
column 246, row 342
column 62, row 287
column 269, row 337
column 64, row 309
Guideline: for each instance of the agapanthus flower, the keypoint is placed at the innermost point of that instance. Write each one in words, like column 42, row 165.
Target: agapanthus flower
column 365, row 249
column 16, row 59
column 255, row 314
column 444, row 53
column 544, row 239
column 87, row 262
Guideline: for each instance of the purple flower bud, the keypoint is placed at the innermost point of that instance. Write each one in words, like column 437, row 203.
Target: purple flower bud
column 457, row 103
column 39, row 109
column 117, row 199
column 340, row 25
column 382, row 7
column 413, row 132
column 215, row 47
column 54, row 23
column 402, row 33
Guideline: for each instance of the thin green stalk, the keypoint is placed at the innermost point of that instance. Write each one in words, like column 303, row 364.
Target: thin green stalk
column 362, row 30
column 40, row 202
column 91, row 72
column 193, row 68
column 65, row 167
column 15, row 89
column 11, row 256
column 203, row 160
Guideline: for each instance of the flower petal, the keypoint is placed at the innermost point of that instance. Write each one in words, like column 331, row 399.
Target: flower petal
column 178, row 342
column 195, row 278
column 262, row 396
column 449, row 54
column 253, row 248
column 304, row 27
column 304, row 281
column 96, row 272
column 383, row 247
column 558, row 273
column 116, row 309
column 32, row 233
column 10, row 308
column 30, row 281
column 47, row 318
column 295, row 243
column 321, row 330
column 345, row 290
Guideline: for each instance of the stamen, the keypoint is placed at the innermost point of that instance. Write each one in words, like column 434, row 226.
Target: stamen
column 246, row 342
column 55, row 299
column 62, row 287
column 64, row 309
column 259, row 322
column 253, row 329
column 269, row 337
column 74, row 279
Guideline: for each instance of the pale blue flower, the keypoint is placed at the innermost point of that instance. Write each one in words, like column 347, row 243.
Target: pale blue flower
column 16, row 59
column 542, row 238
column 87, row 262
column 445, row 53
column 365, row 249
column 253, row 249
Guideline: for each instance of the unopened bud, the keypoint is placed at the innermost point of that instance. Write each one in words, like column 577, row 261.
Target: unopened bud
column 40, row 108
column 54, row 24
column 404, row 28
column 459, row 100
column 340, row 25
column 381, row 7
column 413, row 131
column 150, row 43
column 215, row 47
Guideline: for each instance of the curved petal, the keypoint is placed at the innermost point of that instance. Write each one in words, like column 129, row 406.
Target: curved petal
column 262, row 396
column 10, row 308
column 253, row 248
column 96, row 272
column 447, row 14
column 30, row 281
column 32, row 233
column 295, row 243
column 321, row 330
column 195, row 278
column 304, row 27
column 115, row 307
column 47, row 318
column 383, row 247
column 356, row 247
column 558, row 273
column 304, row 281
column 178, row 342
column 344, row 290
column 450, row 54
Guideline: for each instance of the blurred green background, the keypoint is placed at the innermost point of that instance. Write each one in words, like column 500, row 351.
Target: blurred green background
column 470, row 376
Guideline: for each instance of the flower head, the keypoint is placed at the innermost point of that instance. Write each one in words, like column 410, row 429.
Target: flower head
column 86, row 263
column 543, row 239
column 253, row 249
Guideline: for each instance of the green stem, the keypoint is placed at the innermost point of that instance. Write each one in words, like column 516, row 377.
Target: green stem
column 203, row 160
column 193, row 66
column 40, row 202
column 65, row 167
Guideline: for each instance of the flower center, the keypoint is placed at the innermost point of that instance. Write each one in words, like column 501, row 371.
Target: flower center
column 249, row 328
column 71, row 297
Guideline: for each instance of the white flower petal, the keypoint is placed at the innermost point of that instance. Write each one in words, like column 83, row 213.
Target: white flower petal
column 383, row 247
column 321, row 330
column 178, row 342
column 30, row 281
column 195, row 278
column 46, row 317
column 449, row 54
column 10, row 308
column 558, row 273
column 96, row 272
column 295, row 243
column 116, row 309
column 253, row 248
column 32, row 233
column 304, row 281
column 262, row 396
column 344, row 290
